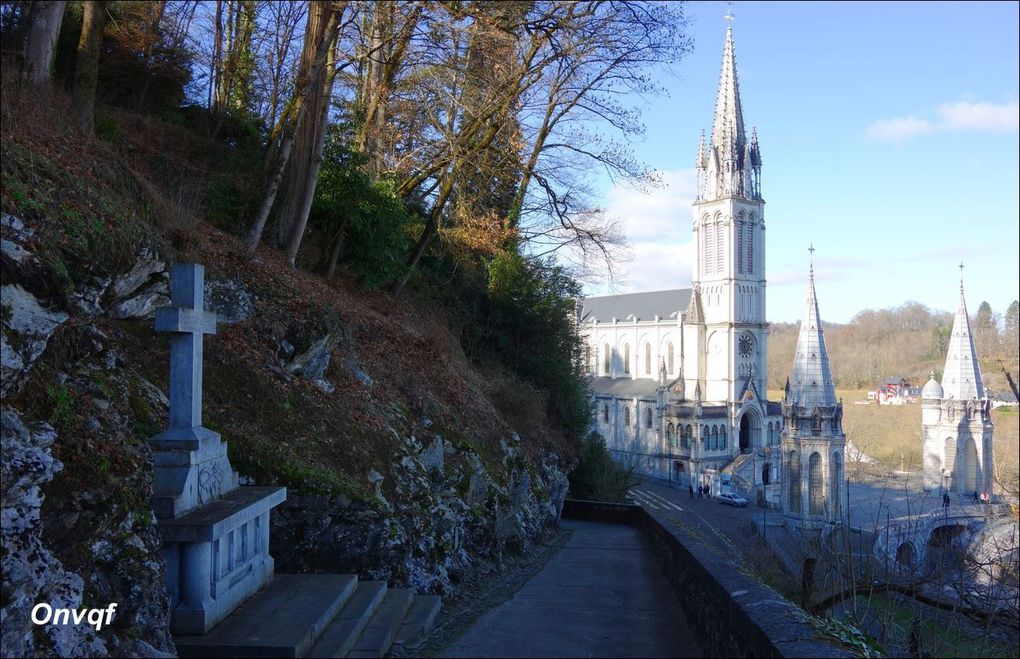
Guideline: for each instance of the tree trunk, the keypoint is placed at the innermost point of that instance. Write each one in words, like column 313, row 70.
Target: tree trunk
column 302, row 92
column 43, row 30
column 312, row 176
column 87, row 65
column 431, row 229
column 338, row 247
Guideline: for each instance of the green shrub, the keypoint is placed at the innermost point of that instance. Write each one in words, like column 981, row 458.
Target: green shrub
column 598, row 477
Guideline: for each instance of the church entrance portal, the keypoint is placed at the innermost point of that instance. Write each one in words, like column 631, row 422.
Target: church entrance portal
column 745, row 433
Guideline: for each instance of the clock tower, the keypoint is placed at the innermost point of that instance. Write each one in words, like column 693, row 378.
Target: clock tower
column 729, row 235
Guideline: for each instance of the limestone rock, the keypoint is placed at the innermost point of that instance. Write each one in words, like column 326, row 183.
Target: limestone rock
column 229, row 299
column 143, row 305
column 312, row 363
column 359, row 375
column 87, row 297
column 31, row 573
column 144, row 269
column 432, row 457
column 28, row 328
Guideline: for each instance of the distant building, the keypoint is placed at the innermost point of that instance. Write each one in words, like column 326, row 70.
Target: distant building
column 895, row 391
column 956, row 422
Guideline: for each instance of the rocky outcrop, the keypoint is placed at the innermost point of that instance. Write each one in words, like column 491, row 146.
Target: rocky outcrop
column 27, row 329
column 448, row 514
column 31, row 573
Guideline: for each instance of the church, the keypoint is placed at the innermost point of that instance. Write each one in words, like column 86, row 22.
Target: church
column 679, row 376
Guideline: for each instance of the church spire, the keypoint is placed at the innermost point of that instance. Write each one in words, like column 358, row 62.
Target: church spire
column 728, row 128
column 731, row 166
column 811, row 381
column 961, row 378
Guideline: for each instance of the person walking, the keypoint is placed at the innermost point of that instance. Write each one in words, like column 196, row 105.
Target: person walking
column 945, row 499
column 690, row 490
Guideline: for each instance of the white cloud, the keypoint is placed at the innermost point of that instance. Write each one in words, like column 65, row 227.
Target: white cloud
column 1002, row 118
column 952, row 117
column 657, row 227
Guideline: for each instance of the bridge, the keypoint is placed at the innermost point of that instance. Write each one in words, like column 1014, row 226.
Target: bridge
column 904, row 541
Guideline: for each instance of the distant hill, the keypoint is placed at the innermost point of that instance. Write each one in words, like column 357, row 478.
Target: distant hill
column 908, row 341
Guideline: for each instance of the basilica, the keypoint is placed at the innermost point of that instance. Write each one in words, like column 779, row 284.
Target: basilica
column 679, row 376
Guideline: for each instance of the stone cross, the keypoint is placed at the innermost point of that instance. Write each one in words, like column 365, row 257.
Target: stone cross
column 188, row 321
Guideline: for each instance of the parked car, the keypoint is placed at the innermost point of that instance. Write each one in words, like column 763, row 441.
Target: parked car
column 733, row 500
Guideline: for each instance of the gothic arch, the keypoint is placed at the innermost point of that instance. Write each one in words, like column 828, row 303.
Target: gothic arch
column 688, row 436
column 607, row 360
column 949, row 465
column 835, row 479
column 648, row 418
column 670, row 368
column 626, row 416
column 749, row 427
column 816, row 485
column 648, row 358
column 626, row 358
column 605, row 413
column 715, row 437
column 793, row 473
column 670, row 435
column 972, row 467
column 722, row 437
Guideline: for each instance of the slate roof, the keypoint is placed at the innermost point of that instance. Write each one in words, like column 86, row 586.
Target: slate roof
column 645, row 306
column 624, row 386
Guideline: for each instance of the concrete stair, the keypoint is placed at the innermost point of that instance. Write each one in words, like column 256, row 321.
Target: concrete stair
column 318, row 615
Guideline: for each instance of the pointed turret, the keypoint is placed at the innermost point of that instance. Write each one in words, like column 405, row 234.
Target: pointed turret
column 811, row 381
column 695, row 314
column 961, row 378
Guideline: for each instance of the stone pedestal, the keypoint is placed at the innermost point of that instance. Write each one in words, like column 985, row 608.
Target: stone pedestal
column 215, row 534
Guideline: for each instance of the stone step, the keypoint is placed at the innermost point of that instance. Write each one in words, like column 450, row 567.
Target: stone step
column 338, row 638
column 281, row 620
column 376, row 639
column 419, row 620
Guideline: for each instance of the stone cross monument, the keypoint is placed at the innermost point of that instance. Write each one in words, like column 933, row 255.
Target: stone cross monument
column 215, row 534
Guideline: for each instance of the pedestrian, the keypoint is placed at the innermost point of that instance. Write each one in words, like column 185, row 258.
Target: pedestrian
column 690, row 490
column 945, row 499
column 975, row 496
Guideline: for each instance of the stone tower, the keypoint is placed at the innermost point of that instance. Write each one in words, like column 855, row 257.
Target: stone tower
column 812, row 441
column 729, row 234
column 956, row 423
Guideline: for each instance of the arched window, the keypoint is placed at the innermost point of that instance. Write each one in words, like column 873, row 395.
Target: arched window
column 749, row 243
column 607, row 360
column 648, row 418
column 722, row 437
column 669, row 358
column 626, row 416
column 626, row 358
column 740, row 247
column 793, row 471
column 816, row 485
column 715, row 437
column 770, row 433
column 648, row 359
column 710, row 249
column 720, row 250
column 688, row 436
column 816, row 422
column 705, row 437
column 605, row 413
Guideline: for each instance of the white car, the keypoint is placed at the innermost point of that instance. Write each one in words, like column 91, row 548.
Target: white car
column 733, row 500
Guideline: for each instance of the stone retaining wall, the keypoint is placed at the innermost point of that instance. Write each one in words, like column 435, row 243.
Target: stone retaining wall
column 732, row 614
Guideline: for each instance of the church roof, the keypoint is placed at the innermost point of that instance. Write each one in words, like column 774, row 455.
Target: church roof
column 624, row 386
column 811, row 380
column 643, row 306
column 961, row 378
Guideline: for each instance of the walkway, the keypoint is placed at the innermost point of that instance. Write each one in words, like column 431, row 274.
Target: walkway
column 602, row 595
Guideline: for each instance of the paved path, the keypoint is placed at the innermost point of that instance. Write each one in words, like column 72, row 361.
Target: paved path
column 602, row 595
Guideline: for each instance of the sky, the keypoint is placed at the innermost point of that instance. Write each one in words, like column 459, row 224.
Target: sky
column 889, row 140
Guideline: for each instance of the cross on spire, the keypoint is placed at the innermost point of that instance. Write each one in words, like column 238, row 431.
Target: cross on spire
column 729, row 16
column 961, row 276
column 811, row 260
column 187, row 320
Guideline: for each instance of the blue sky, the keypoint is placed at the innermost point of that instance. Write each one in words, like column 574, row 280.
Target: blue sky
column 889, row 139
